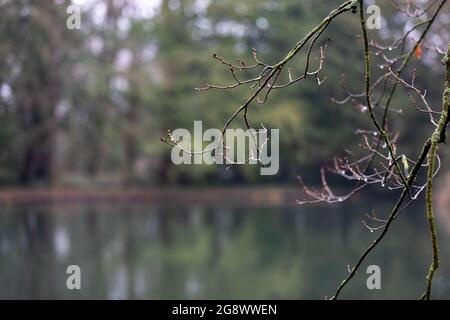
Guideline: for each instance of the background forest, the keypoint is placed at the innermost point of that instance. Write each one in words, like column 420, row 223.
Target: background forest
column 88, row 107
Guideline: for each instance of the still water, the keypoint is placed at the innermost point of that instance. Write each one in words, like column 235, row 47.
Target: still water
column 211, row 251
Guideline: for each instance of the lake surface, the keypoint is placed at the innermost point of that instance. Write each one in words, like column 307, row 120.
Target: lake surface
column 151, row 251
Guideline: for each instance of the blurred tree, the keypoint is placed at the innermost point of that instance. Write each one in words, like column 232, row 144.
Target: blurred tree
column 34, row 62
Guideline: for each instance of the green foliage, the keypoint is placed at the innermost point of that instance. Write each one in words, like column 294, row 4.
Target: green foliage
column 106, row 118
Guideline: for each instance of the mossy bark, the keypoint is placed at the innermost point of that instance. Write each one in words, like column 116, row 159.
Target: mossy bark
column 437, row 137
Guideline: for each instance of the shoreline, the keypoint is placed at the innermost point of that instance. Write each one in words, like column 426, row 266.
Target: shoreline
column 241, row 195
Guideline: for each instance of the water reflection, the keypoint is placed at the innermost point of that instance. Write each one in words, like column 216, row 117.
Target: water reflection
column 154, row 252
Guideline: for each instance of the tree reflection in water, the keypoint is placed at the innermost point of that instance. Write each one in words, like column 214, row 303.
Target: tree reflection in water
column 153, row 252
